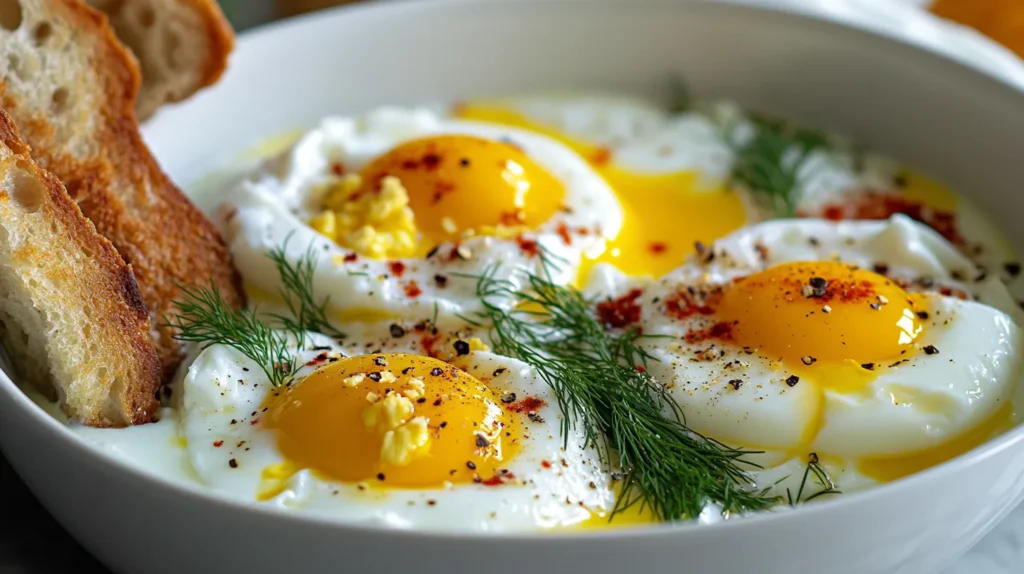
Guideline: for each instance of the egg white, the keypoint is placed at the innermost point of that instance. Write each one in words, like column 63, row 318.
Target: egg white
column 222, row 403
column 270, row 210
column 916, row 405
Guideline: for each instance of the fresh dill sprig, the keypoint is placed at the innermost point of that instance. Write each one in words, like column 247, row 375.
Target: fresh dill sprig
column 204, row 317
column 769, row 163
column 820, row 476
column 305, row 313
column 601, row 383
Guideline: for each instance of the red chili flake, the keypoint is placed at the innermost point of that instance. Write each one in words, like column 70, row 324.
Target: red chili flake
column 601, row 157
column 229, row 216
column 431, row 160
column 218, row 444
column 441, row 189
column 254, row 422
column 338, row 168
column 320, row 358
column 527, row 246
column 951, row 292
column 617, row 313
column 412, row 290
column 640, row 369
column 874, row 205
column 350, row 257
column 563, row 232
column 657, row 247
column 512, row 218
column 499, row 479
column 545, row 464
column 429, row 344
column 720, row 331
column 685, row 304
column 833, row 213
column 528, row 404
column 397, row 268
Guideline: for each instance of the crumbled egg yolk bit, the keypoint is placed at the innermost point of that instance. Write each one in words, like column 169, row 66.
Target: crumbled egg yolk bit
column 394, row 420
column 376, row 223
column 461, row 183
column 665, row 213
column 887, row 469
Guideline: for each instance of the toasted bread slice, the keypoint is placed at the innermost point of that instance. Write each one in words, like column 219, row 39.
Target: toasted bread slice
column 71, row 316
column 70, row 87
column 182, row 45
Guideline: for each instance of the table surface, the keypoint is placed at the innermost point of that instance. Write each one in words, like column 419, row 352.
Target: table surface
column 32, row 542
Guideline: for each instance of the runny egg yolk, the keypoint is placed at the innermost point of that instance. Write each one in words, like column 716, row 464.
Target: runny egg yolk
column 820, row 314
column 460, row 183
column 665, row 213
column 393, row 420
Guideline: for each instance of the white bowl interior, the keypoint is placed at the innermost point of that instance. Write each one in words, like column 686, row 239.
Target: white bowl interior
column 961, row 125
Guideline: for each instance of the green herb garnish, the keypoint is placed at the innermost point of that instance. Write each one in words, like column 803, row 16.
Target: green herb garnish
column 205, row 318
column 305, row 314
column 820, row 476
column 601, row 383
column 769, row 163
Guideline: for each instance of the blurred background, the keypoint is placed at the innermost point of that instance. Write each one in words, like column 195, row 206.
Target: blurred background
column 1002, row 20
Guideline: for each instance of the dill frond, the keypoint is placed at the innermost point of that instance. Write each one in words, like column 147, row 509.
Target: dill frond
column 601, row 383
column 814, row 471
column 305, row 313
column 204, row 317
column 769, row 163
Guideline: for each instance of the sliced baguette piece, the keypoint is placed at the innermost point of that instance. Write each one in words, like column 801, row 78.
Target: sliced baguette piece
column 70, row 87
column 182, row 45
column 71, row 317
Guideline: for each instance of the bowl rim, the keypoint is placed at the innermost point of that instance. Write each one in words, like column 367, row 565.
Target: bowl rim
column 59, row 432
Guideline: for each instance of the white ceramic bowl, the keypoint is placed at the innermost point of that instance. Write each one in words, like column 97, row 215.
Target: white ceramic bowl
column 925, row 108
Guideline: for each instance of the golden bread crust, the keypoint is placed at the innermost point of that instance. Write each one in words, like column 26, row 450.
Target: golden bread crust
column 114, row 381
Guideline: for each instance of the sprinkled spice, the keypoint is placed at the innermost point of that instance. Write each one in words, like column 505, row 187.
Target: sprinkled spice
column 497, row 372
column 481, row 441
column 721, row 331
column 880, row 268
column 931, row 350
column 433, row 251
column 218, row 444
column 808, row 360
column 380, row 476
column 464, row 162
column 563, row 232
column 471, row 465
column 881, row 206
column 685, row 304
column 412, row 290
column 868, row 366
column 617, row 313
column 528, row 404
column 1012, row 268
column 534, row 417
column 704, row 253
column 396, row 330
column 233, row 463
column 436, row 371
column 440, row 280
column 397, row 268
column 529, row 247
column 461, row 348
column 922, row 315
column 601, row 157
column 736, row 384
column 351, row 257
column 380, row 361
column 876, row 306
column 657, row 247
column 508, row 398
column 545, row 463
column 792, row 380
column 826, row 309
column 374, row 376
